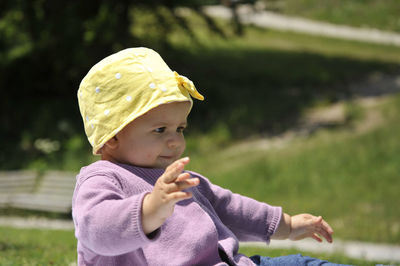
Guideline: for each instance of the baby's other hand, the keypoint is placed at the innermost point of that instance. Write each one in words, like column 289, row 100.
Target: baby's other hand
column 307, row 225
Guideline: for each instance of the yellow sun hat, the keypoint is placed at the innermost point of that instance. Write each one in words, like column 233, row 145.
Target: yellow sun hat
column 124, row 86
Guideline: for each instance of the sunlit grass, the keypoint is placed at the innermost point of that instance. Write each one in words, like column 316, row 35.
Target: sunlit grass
column 31, row 247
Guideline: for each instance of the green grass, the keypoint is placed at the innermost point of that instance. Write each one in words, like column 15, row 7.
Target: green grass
column 359, row 13
column 31, row 247
column 350, row 178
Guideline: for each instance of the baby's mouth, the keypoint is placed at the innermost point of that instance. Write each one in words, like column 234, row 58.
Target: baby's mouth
column 170, row 157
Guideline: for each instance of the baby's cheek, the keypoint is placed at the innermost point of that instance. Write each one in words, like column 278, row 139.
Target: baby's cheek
column 149, row 156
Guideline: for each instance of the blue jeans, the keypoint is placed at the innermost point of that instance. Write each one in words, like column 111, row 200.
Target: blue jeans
column 295, row 260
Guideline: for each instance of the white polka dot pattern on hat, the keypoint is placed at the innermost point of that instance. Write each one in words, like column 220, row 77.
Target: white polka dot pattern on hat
column 107, row 112
column 163, row 88
column 152, row 85
column 128, row 98
column 118, row 75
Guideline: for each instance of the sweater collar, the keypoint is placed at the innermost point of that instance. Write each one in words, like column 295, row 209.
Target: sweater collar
column 150, row 174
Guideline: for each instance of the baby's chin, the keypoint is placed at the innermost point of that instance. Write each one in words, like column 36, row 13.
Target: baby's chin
column 161, row 162
column 164, row 162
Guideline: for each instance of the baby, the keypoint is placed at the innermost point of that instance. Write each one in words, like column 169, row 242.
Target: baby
column 137, row 205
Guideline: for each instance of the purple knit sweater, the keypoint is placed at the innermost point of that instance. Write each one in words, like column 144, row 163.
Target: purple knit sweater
column 106, row 209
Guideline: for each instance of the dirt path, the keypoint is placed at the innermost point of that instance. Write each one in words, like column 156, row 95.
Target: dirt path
column 259, row 17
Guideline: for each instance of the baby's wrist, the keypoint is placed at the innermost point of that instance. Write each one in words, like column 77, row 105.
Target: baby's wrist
column 284, row 228
column 150, row 220
column 288, row 222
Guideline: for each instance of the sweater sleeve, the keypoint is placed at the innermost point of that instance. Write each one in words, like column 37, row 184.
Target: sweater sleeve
column 106, row 221
column 248, row 219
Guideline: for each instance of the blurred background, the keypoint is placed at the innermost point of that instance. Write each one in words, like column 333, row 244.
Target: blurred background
column 304, row 121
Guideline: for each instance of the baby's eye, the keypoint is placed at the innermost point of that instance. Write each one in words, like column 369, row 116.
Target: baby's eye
column 159, row 130
column 180, row 129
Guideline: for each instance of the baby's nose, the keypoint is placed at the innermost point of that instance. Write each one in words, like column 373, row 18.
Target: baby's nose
column 174, row 141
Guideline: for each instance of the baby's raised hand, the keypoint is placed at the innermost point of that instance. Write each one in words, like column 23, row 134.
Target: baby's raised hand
column 168, row 190
column 307, row 225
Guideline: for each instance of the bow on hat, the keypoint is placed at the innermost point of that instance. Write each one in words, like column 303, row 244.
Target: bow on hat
column 187, row 84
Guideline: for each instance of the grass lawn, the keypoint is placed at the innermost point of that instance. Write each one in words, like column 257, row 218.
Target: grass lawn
column 28, row 247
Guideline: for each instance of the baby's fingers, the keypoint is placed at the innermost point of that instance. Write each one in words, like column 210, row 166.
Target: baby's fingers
column 324, row 229
column 173, row 170
column 182, row 182
column 321, row 232
column 327, row 235
column 327, row 227
column 178, row 196
column 316, row 237
column 183, row 177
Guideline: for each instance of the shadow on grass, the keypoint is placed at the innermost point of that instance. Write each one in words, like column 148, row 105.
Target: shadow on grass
column 34, row 213
column 6, row 246
column 265, row 91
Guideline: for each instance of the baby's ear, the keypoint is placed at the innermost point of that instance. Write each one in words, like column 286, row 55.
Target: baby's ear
column 112, row 143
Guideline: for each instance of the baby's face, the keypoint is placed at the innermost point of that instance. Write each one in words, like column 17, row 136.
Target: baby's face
column 155, row 139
